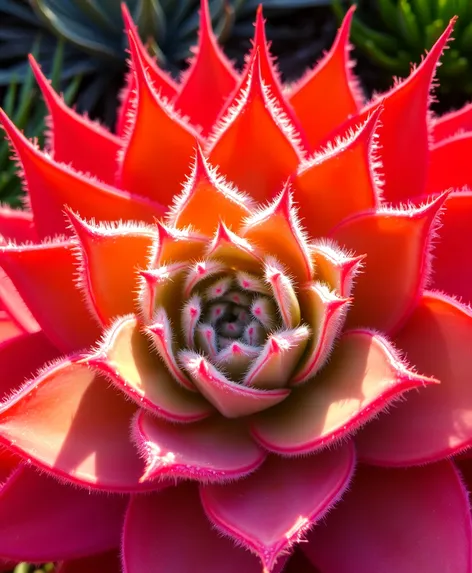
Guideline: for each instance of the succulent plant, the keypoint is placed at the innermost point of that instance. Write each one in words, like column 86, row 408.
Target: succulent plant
column 94, row 41
column 181, row 362
column 395, row 33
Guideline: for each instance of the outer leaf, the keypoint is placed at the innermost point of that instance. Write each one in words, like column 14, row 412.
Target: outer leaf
column 269, row 73
column 362, row 378
column 21, row 358
column 404, row 152
column 162, row 82
column 145, row 154
column 271, row 510
column 210, row 67
column 340, row 181
column 110, row 258
column 397, row 264
column 104, row 563
column 391, row 521
column 17, row 225
column 436, row 339
column 68, row 522
column 57, row 421
column 331, row 87
column 452, row 265
column 452, row 123
column 181, row 541
column 449, row 165
column 9, row 329
column 14, row 305
column 75, row 140
column 254, row 145
column 44, row 276
column 52, row 185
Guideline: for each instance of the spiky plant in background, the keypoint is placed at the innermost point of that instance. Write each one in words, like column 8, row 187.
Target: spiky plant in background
column 93, row 32
column 21, row 101
column 394, row 33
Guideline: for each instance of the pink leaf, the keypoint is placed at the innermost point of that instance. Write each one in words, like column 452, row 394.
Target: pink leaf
column 363, row 376
column 68, row 522
column 71, row 423
column 397, row 246
column 21, row 358
column 406, row 520
column 212, row 450
column 169, row 532
column 230, row 398
column 437, row 340
column 15, row 307
column 9, row 328
column 44, row 275
column 452, row 263
column 109, row 562
column 271, row 510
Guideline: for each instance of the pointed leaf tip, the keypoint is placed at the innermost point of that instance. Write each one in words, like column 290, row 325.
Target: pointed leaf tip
column 230, row 398
column 392, row 239
column 270, row 511
column 75, row 140
column 241, row 151
column 169, row 155
column 210, row 66
column 363, row 376
column 405, row 152
column 221, row 200
column 340, row 180
column 52, row 185
column 331, row 87
column 213, row 450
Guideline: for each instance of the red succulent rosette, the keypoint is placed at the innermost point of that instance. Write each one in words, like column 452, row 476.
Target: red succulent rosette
column 248, row 305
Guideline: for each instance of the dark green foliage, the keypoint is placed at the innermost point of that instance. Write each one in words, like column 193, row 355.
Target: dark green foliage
column 395, row 33
column 95, row 44
column 23, row 104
